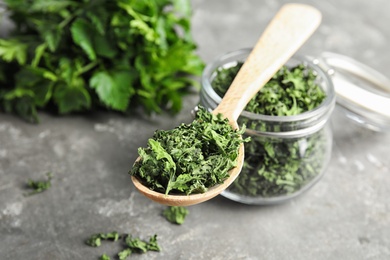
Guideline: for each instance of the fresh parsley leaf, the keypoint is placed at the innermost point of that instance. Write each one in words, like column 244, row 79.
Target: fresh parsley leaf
column 50, row 6
column 51, row 34
column 21, row 102
column 71, row 98
column 176, row 214
column 13, row 49
column 113, row 88
column 81, row 34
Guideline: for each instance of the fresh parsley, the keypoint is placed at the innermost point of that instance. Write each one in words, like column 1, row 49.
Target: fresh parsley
column 272, row 166
column 191, row 157
column 175, row 214
column 79, row 55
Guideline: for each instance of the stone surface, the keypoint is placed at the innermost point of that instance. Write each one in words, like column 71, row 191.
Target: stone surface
column 345, row 216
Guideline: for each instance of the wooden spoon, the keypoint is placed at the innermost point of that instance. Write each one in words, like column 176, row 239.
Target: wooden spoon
column 288, row 30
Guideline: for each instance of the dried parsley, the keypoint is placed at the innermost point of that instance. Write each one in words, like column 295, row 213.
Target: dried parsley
column 291, row 91
column 105, row 257
column 124, row 253
column 39, row 186
column 138, row 246
column 132, row 245
column 276, row 166
column 95, row 240
column 191, row 157
column 175, row 214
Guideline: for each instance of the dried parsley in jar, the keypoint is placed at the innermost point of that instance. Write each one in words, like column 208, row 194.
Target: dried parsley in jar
column 287, row 121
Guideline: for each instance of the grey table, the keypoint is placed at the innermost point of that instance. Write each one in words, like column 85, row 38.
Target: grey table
column 345, row 216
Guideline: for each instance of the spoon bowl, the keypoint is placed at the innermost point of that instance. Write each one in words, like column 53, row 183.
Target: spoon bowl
column 286, row 33
column 188, row 200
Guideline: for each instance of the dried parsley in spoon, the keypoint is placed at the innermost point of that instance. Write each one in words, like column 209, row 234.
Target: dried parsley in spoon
column 191, row 157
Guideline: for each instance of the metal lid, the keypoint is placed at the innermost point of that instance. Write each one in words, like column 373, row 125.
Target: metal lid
column 362, row 92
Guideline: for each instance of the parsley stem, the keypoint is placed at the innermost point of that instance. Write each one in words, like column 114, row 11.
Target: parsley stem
column 87, row 67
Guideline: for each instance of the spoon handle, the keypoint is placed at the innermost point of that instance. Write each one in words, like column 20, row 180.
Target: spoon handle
column 287, row 31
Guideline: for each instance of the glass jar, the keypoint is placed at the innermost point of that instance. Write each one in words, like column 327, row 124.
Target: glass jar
column 287, row 155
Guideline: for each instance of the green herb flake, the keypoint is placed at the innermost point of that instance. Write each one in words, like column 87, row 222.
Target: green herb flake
column 191, row 157
column 124, row 253
column 39, row 186
column 137, row 245
column 275, row 167
column 152, row 245
column 105, row 257
column 175, row 214
column 131, row 245
column 95, row 240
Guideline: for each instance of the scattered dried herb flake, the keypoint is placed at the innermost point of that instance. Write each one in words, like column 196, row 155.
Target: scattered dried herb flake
column 131, row 244
column 175, row 214
column 105, row 257
column 137, row 245
column 39, row 186
column 95, row 240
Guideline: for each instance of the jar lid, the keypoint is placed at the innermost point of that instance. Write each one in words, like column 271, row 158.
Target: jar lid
column 362, row 92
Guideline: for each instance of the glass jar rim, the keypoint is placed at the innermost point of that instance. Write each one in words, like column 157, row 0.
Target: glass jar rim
column 318, row 111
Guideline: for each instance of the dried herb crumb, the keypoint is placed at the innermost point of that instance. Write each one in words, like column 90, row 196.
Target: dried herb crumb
column 105, row 257
column 95, row 240
column 131, row 244
column 39, row 186
column 137, row 245
column 175, row 214
column 124, row 253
